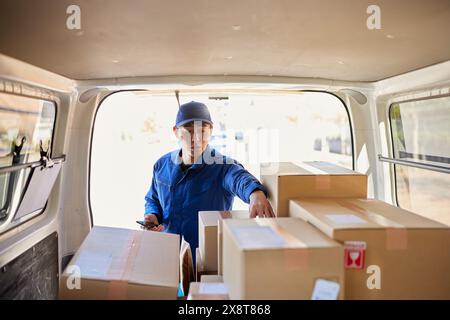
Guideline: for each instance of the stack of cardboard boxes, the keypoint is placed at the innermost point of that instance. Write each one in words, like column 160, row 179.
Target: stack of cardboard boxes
column 390, row 253
column 366, row 249
column 328, row 241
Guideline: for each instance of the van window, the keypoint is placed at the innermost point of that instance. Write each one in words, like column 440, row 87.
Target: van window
column 133, row 129
column 421, row 133
column 24, row 123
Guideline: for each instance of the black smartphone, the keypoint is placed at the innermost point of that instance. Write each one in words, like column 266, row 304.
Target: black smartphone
column 149, row 225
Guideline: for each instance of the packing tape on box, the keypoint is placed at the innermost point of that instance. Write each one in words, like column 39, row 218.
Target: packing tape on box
column 294, row 259
column 312, row 169
column 322, row 179
column 396, row 233
column 118, row 289
column 322, row 182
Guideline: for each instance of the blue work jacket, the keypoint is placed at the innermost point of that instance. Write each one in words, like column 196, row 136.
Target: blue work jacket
column 211, row 183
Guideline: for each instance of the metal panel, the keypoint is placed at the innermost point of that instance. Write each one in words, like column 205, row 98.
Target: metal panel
column 34, row 274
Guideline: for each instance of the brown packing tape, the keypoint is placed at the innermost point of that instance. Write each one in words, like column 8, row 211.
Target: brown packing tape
column 118, row 289
column 322, row 182
column 396, row 234
column 396, row 239
column 296, row 259
column 289, row 238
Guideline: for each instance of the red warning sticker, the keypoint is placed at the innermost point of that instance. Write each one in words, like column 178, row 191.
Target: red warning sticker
column 354, row 254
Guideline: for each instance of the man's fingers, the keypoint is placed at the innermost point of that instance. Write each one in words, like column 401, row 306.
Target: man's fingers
column 253, row 212
column 264, row 212
column 151, row 219
column 158, row 228
column 260, row 212
column 272, row 214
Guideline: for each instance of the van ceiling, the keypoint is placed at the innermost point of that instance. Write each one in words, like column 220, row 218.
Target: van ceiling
column 299, row 38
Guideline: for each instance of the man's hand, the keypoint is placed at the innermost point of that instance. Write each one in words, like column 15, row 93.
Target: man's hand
column 152, row 221
column 260, row 206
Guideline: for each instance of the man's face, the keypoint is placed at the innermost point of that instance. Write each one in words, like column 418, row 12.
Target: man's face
column 194, row 137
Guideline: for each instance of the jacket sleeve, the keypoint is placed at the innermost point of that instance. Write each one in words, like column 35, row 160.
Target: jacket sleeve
column 240, row 182
column 152, row 204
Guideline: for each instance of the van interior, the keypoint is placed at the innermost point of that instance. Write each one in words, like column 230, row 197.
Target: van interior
column 89, row 92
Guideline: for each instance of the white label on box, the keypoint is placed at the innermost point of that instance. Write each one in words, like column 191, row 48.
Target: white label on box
column 345, row 219
column 258, row 237
column 212, row 288
column 325, row 290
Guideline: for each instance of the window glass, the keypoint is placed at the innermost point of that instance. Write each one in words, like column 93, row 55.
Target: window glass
column 24, row 123
column 133, row 129
column 421, row 133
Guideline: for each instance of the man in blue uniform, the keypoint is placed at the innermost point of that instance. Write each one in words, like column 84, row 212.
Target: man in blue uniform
column 198, row 178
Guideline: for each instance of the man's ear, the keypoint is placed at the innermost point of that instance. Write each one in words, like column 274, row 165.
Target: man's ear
column 175, row 131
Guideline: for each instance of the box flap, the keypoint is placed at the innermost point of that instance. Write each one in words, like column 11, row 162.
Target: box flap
column 134, row 256
column 348, row 213
column 274, row 233
column 209, row 218
column 305, row 168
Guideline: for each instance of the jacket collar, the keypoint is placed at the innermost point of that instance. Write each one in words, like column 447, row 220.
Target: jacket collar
column 208, row 156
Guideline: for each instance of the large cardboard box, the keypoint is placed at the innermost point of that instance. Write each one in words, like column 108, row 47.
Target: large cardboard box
column 235, row 214
column 390, row 253
column 278, row 258
column 286, row 181
column 114, row 263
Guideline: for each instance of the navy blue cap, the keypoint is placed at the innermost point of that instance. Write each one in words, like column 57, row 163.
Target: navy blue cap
column 192, row 111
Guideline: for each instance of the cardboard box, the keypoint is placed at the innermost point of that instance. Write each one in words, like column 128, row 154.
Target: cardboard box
column 207, row 291
column 278, row 258
column 235, row 214
column 391, row 253
column 211, row 278
column 285, row 181
column 114, row 263
column 207, row 239
column 199, row 269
